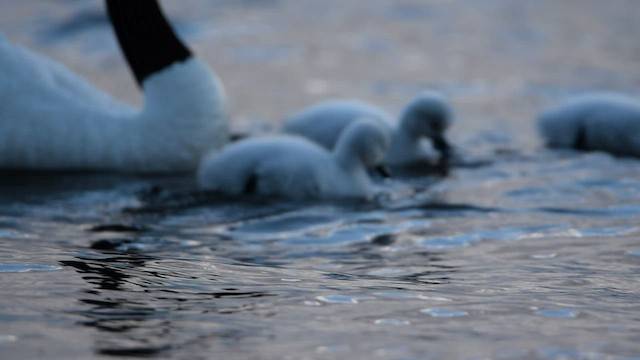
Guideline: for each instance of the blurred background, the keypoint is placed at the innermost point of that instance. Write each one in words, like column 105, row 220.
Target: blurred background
column 499, row 61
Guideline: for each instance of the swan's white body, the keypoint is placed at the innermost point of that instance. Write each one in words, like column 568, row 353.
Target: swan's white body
column 604, row 122
column 294, row 167
column 52, row 119
column 324, row 122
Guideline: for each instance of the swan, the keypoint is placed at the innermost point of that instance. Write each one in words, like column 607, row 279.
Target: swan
column 604, row 122
column 52, row 119
column 428, row 115
column 294, row 167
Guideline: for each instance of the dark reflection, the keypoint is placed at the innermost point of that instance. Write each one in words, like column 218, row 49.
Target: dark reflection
column 52, row 181
column 103, row 273
column 141, row 310
column 225, row 294
column 138, row 327
column 139, row 352
column 596, row 212
column 110, row 244
column 434, row 276
column 158, row 200
column 384, row 240
column 431, row 277
column 125, row 228
column 438, row 208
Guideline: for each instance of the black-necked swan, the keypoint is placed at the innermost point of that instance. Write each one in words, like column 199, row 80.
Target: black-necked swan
column 294, row 167
column 428, row 115
column 52, row 119
column 603, row 122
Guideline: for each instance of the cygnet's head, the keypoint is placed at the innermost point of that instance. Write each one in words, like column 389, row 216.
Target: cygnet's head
column 428, row 115
column 366, row 141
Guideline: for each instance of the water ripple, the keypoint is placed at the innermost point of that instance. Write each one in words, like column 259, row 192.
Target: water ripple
column 405, row 295
column 501, row 234
column 21, row 268
column 444, row 313
column 392, row 322
column 341, row 299
column 634, row 252
column 558, row 313
column 7, row 338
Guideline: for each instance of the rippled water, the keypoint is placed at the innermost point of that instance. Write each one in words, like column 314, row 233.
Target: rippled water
column 530, row 254
column 510, row 260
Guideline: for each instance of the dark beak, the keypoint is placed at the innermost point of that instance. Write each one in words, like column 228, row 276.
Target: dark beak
column 442, row 145
column 384, row 171
column 237, row 136
column 442, row 166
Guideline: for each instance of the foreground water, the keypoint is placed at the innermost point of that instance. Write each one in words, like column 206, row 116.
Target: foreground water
column 528, row 257
column 529, row 254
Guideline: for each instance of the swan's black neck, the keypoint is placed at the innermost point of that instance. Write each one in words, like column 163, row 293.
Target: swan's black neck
column 146, row 38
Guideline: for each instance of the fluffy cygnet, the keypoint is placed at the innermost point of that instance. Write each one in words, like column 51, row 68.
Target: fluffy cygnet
column 294, row 167
column 604, row 122
column 426, row 116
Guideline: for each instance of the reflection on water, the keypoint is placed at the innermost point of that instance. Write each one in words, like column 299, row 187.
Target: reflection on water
column 128, row 327
column 139, row 307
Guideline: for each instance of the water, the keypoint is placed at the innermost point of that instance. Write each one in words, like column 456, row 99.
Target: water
column 532, row 254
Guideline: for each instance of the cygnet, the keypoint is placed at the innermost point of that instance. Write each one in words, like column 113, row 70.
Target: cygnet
column 428, row 116
column 603, row 122
column 294, row 167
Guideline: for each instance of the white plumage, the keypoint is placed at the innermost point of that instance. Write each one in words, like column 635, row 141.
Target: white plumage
column 294, row 167
column 604, row 122
column 426, row 116
column 52, row 119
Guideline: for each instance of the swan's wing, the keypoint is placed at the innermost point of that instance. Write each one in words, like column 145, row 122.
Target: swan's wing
column 27, row 75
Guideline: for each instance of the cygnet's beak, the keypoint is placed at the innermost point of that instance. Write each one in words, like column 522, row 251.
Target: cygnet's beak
column 383, row 170
column 442, row 145
column 442, row 166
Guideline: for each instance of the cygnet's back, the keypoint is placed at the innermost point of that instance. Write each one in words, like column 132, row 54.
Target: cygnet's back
column 324, row 122
column 265, row 166
column 294, row 167
column 605, row 122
